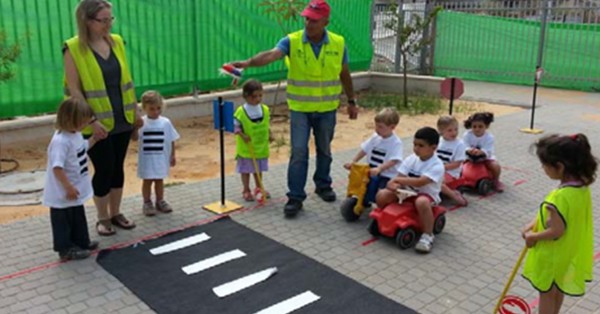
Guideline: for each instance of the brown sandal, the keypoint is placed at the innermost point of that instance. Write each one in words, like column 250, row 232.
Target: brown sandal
column 120, row 221
column 106, row 230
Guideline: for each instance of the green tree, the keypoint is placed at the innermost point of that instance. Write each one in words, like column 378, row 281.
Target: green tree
column 8, row 56
column 410, row 37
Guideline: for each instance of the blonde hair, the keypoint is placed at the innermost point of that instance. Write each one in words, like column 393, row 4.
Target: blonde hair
column 445, row 121
column 152, row 97
column 388, row 116
column 86, row 11
column 72, row 113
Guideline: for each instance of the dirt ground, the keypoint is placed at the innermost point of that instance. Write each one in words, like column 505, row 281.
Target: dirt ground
column 198, row 149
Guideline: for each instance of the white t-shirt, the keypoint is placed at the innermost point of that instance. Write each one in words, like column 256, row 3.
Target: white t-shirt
column 451, row 151
column 484, row 143
column 154, row 148
column 380, row 150
column 433, row 168
column 253, row 112
column 67, row 151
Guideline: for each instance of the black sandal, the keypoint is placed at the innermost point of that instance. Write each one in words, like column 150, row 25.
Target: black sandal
column 120, row 221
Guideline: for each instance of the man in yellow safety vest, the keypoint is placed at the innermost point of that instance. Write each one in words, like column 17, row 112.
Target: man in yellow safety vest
column 317, row 61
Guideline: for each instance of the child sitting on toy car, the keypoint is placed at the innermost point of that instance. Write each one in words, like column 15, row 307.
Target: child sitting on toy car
column 384, row 153
column 480, row 144
column 422, row 171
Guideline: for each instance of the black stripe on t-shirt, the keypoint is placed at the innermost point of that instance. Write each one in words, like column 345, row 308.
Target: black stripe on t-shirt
column 413, row 175
column 444, row 152
column 444, row 158
column 153, row 140
column 82, row 162
column 377, row 160
column 378, row 152
column 146, row 133
column 83, row 170
column 150, row 148
column 80, row 153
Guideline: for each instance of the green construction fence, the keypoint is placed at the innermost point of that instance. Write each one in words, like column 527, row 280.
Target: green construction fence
column 172, row 46
column 500, row 49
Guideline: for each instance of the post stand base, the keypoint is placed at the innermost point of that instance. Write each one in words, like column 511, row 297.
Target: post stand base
column 219, row 208
column 531, row 131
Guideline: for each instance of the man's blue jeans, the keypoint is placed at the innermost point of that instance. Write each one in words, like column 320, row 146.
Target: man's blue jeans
column 323, row 126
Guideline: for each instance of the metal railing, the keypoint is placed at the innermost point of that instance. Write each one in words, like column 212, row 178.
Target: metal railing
column 505, row 41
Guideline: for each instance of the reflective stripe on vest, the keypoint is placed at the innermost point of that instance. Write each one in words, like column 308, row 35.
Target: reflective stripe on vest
column 258, row 133
column 92, row 83
column 314, row 83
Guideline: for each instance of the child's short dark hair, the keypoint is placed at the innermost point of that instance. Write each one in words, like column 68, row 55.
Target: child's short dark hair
column 445, row 121
column 428, row 134
column 486, row 117
column 573, row 151
column 388, row 116
column 250, row 86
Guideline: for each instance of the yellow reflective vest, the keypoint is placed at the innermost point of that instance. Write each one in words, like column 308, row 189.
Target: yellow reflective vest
column 257, row 131
column 92, row 83
column 313, row 84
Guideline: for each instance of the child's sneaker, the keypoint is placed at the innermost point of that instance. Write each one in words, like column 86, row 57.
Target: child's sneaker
column 74, row 253
column 499, row 186
column 425, row 243
column 163, row 207
column 148, row 209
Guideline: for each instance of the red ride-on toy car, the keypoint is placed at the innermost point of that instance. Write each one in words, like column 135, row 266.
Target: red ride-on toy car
column 474, row 176
column 401, row 221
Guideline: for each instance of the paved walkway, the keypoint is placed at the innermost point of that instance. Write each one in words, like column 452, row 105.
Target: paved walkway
column 464, row 274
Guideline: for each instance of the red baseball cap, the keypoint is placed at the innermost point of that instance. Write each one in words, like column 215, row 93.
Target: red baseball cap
column 316, row 10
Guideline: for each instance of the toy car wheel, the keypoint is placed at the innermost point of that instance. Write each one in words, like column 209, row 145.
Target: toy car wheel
column 373, row 228
column 438, row 224
column 484, row 186
column 347, row 209
column 406, row 238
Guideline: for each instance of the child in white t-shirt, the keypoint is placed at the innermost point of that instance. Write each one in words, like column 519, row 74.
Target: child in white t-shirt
column 480, row 144
column 156, row 152
column 422, row 171
column 68, row 186
column 384, row 153
column 451, row 151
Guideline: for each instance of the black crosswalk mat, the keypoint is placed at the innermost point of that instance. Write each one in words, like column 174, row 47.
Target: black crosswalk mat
column 160, row 282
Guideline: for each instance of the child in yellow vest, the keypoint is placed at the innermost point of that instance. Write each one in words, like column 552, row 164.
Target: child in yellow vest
column 252, row 127
column 560, row 238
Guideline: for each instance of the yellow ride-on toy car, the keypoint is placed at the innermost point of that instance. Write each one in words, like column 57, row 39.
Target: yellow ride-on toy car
column 358, row 181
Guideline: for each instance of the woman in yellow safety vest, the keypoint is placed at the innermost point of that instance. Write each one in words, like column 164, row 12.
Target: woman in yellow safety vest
column 96, row 71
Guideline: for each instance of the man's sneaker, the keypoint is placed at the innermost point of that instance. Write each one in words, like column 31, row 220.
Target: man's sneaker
column 92, row 246
column 326, row 194
column 425, row 243
column 148, row 209
column 292, row 207
column 163, row 207
column 499, row 186
column 74, row 253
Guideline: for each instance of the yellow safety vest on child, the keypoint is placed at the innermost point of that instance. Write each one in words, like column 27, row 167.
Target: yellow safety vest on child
column 257, row 131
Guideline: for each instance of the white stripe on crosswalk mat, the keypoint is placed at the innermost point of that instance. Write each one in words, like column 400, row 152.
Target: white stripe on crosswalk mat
column 291, row 304
column 244, row 282
column 213, row 261
column 180, row 244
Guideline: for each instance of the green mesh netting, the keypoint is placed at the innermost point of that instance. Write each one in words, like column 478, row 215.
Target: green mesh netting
column 497, row 49
column 172, row 45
